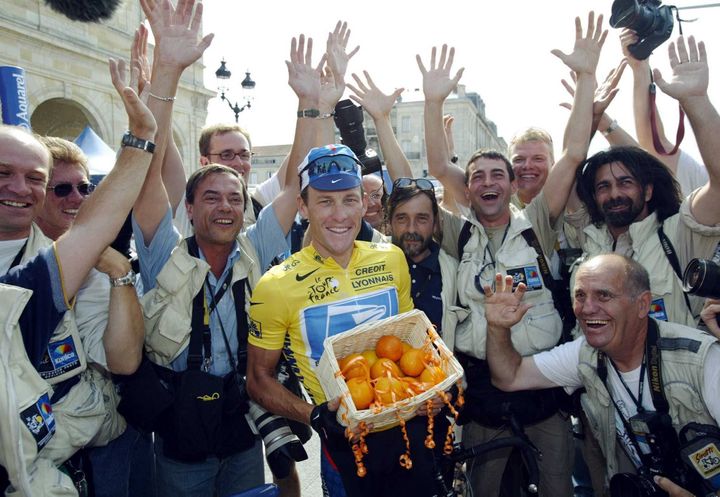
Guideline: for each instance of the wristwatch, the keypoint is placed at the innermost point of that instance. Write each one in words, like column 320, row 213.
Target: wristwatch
column 126, row 280
column 308, row 113
column 130, row 140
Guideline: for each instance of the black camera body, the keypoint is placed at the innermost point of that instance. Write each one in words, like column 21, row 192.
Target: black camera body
column 661, row 456
column 652, row 21
column 349, row 119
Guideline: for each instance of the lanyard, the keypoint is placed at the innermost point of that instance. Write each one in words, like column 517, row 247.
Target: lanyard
column 638, row 400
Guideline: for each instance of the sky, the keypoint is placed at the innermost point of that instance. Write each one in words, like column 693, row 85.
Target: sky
column 504, row 46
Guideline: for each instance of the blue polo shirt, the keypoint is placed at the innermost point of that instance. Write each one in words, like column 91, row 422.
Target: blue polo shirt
column 426, row 286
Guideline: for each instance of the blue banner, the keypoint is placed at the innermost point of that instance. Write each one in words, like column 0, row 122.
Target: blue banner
column 13, row 97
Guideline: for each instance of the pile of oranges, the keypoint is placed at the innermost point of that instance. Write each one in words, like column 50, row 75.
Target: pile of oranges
column 393, row 371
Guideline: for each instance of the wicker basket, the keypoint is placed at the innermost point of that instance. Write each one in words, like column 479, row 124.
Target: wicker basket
column 412, row 327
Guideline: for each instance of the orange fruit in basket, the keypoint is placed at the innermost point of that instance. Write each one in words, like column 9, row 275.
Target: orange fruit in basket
column 362, row 392
column 382, row 366
column 412, row 362
column 415, row 385
column 432, row 375
column 385, row 388
column 353, row 366
column 370, row 355
column 406, row 347
column 389, row 346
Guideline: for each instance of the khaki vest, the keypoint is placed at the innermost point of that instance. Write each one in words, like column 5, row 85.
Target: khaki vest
column 167, row 308
column 452, row 313
column 25, row 406
column 540, row 328
column 648, row 251
column 88, row 413
column 682, row 377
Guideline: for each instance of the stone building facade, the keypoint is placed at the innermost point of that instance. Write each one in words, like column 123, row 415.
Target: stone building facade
column 68, row 83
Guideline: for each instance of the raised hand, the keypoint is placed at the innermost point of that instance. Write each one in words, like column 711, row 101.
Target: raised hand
column 374, row 101
column 586, row 52
column 629, row 37
column 303, row 78
column 604, row 94
column 503, row 306
column 336, row 50
column 437, row 83
column 690, row 72
column 141, row 121
column 176, row 31
column 138, row 55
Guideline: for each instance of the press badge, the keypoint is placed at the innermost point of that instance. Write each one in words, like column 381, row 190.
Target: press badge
column 60, row 357
column 657, row 310
column 39, row 419
column 528, row 275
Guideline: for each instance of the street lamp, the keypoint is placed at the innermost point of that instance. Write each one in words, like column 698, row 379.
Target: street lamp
column 223, row 74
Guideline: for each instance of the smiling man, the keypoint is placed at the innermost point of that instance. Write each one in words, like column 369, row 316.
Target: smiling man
column 329, row 287
column 632, row 203
column 531, row 155
column 615, row 358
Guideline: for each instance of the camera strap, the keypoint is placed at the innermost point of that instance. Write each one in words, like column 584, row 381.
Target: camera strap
column 653, row 125
column 200, row 331
column 651, row 358
column 673, row 260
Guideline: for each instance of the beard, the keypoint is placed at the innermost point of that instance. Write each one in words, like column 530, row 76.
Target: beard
column 415, row 249
column 620, row 219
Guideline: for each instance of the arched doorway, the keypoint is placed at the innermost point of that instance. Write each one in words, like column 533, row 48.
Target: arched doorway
column 61, row 117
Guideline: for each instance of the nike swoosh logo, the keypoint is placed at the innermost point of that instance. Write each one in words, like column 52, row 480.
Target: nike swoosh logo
column 300, row 277
column 333, row 181
column 256, row 303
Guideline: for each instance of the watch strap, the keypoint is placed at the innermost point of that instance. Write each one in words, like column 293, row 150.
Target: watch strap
column 130, row 140
column 312, row 113
column 126, row 280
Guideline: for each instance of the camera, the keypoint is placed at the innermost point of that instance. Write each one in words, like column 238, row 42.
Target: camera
column 281, row 444
column 702, row 278
column 349, row 119
column 651, row 20
column 660, row 453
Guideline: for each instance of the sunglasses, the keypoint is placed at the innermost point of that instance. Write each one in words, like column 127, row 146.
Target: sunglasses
column 64, row 189
column 420, row 183
column 332, row 163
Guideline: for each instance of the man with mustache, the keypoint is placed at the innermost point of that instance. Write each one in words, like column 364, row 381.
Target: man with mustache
column 632, row 201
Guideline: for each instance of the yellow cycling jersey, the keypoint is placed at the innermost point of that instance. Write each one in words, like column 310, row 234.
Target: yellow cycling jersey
column 307, row 298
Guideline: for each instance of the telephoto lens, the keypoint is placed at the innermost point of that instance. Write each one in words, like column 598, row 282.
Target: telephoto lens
column 282, row 446
column 702, row 278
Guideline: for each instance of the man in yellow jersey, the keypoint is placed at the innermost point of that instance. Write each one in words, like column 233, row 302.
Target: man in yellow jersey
column 331, row 286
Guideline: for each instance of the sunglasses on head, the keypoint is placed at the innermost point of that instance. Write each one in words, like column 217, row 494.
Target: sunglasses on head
column 64, row 189
column 420, row 183
column 332, row 163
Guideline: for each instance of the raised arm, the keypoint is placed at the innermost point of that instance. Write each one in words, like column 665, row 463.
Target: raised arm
column 503, row 309
column 641, row 104
column 583, row 62
column 379, row 106
column 333, row 79
column 437, row 86
column 304, row 79
column 177, row 46
column 688, row 86
column 104, row 212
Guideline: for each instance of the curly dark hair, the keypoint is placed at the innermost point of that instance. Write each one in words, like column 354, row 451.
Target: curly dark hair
column 646, row 169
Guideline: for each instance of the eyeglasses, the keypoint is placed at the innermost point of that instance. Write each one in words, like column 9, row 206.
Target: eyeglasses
column 228, row 155
column 420, row 183
column 328, row 164
column 64, row 189
column 376, row 195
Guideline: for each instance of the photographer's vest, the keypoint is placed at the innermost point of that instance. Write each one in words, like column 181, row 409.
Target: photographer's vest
column 85, row 404
column 666, row 287
column 168, row 307
column 683, row 355
column 27, row 422
column 541, row 327
column 452, row 313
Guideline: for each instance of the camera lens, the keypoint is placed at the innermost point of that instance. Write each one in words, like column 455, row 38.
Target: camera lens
column 631, row 485
column 702, row 278
column 281, row 444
